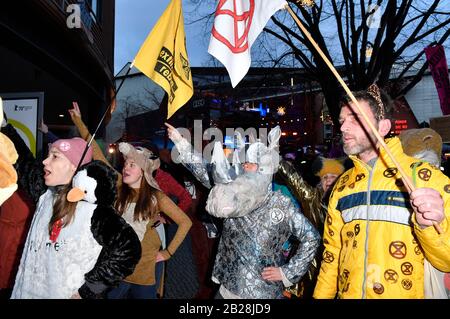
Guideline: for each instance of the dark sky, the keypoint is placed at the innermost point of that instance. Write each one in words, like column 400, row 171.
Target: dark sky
column 135, row 19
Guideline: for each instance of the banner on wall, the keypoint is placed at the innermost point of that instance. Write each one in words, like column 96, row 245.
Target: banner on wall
column 439, row 70
column 24, row 112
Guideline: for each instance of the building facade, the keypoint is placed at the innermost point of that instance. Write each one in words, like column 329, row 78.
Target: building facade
column 265, row 98
column 62, row 48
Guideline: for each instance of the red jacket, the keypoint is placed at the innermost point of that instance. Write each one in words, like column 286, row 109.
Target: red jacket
column 172, row 188
column 15, row 217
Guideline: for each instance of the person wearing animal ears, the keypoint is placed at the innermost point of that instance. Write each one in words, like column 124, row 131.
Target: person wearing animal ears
column 139, row 202
column 167, row 183
column 257, row 220
column 69, row 251
column 378, row 232
column 46, row 185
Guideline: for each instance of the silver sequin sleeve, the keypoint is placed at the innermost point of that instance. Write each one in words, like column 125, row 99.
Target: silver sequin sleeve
column 309, row 239
column 194, row 162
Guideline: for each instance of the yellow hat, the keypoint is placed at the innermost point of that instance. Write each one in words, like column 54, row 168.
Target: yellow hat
column 323, row 166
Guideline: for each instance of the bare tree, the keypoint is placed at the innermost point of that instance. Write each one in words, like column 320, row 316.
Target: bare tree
column 130, row 106
column 371, row 41
column 374, row 41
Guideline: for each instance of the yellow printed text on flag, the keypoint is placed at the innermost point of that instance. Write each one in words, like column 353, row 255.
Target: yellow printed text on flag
column 163, row 57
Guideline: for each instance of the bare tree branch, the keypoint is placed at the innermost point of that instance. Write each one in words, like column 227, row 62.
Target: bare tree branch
column 344, row 46
column 340, row 28
column 419, row 74
column 412, row 37
column 303, row 59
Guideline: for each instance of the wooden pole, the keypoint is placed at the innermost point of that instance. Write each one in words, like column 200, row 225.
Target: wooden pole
column 380, row 140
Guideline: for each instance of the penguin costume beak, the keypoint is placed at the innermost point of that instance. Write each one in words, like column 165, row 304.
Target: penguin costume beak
column 75, row 195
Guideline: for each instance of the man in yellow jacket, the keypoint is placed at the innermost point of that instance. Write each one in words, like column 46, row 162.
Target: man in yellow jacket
column 376, row 235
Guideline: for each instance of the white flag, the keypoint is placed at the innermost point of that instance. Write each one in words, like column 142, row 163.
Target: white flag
column 237, row 24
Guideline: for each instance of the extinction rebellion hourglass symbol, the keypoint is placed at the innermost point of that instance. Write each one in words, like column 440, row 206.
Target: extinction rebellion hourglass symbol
column 242, row 20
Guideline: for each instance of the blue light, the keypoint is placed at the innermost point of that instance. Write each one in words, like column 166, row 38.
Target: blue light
column 262, row 111
column 229, row 141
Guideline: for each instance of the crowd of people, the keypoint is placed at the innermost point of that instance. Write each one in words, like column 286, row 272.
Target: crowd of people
column 343, row 224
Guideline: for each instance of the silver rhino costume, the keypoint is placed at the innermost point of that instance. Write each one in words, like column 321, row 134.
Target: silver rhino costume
column 257, row 220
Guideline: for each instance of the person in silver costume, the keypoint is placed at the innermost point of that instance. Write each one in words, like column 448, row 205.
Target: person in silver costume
column 257, row 221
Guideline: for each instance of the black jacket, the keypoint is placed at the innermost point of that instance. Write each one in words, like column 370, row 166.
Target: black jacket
column 119, row 256
column 121, row 246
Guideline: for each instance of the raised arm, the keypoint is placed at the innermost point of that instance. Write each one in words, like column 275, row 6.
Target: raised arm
column 51, row 138
column 190, row 158
column 75, row 115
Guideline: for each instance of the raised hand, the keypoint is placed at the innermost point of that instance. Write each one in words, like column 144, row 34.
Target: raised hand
column 75, row 111
column 43, row 127
column 4, row 120
column 173, row 133
column 428, row 205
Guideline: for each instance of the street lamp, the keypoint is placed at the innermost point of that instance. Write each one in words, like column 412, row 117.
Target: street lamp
column 306, row 3
column 369, row 50
column 281, row 111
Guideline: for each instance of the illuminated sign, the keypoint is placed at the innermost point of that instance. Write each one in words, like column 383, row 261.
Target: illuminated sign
column 400, row 125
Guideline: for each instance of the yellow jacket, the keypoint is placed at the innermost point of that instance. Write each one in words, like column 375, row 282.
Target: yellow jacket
column 373, row 246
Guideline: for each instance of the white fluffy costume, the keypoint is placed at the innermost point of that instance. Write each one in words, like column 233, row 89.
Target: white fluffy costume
column 95, row 251
column 257, row 221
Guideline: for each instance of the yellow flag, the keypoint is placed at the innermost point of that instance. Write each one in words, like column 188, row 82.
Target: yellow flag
column 163, row 57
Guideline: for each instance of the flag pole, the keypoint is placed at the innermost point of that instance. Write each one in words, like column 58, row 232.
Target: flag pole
column 104, row 116
column 403, row 174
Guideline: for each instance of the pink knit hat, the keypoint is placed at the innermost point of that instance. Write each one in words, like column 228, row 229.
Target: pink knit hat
column 73, row 149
